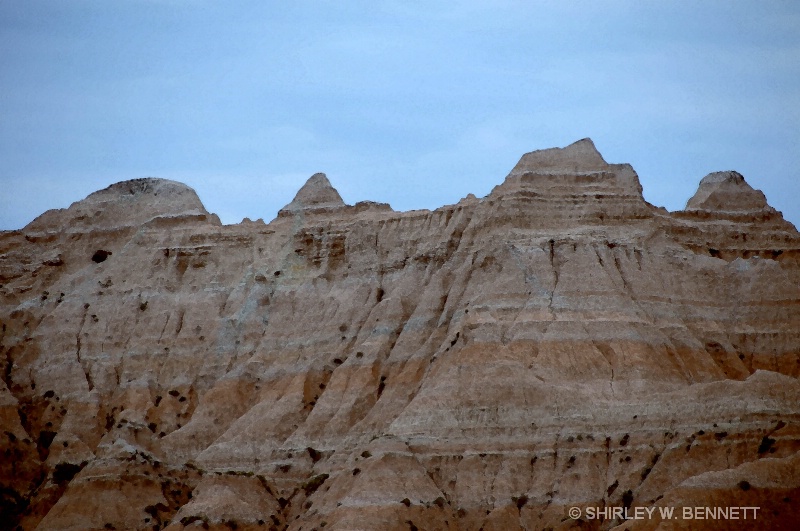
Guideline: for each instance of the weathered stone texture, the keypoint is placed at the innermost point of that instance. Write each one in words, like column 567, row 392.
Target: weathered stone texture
column 486, row 365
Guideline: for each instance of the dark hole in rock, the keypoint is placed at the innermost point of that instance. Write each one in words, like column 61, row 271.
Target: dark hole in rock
column 100, row 256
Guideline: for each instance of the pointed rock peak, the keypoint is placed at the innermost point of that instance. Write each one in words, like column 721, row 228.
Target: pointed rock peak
column 316, row 193
column 318, row 179
column 584, row 149
column 726, row 191
column 579, row 156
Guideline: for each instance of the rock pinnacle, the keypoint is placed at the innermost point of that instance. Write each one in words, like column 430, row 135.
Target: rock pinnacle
column 316, row 193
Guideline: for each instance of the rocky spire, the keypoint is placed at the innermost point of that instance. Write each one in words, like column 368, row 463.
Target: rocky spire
column 316, row 194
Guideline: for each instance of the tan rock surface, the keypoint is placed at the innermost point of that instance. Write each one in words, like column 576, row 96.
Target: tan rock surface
column 486, row 365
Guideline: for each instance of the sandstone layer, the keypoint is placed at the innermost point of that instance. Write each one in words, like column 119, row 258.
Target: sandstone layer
column 487, row 365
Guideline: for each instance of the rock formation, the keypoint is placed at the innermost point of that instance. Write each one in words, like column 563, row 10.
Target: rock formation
column 316, row 195
column 487, row 365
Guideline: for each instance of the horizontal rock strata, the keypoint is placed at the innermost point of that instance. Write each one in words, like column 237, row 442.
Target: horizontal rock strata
column 486, row 365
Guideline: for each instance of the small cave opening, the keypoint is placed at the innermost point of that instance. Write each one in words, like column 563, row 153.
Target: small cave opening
column 100, row 255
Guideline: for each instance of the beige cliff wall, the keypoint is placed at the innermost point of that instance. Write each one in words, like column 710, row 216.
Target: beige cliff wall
column 486, row 365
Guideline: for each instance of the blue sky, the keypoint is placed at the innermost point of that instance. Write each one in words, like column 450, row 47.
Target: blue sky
column 412, row 103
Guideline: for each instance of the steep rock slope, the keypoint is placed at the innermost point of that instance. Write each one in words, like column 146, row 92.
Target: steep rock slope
column 486, row 365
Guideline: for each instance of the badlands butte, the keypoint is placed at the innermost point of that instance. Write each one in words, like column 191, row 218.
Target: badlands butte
column 486, row 365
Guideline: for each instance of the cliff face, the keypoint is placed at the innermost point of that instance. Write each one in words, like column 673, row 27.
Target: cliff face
column 486, row 365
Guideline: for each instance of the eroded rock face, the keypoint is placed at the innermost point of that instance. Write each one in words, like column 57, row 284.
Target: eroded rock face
column 486, row 365
column 727, row 191
column 125, row 204
column 316, row 193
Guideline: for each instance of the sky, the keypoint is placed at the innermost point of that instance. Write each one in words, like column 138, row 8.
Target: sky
column 411, row 103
